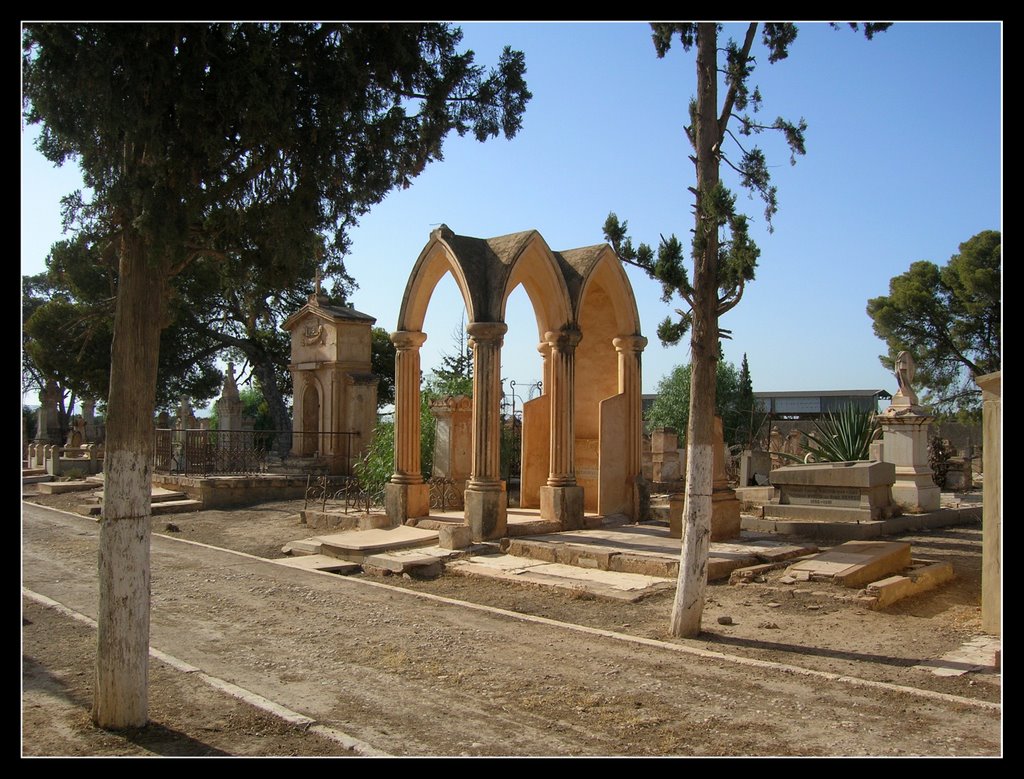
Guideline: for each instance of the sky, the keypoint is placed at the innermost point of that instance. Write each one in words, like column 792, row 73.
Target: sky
column 904, row 163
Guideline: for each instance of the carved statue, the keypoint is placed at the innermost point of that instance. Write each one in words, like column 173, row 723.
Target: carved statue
column 904, row 371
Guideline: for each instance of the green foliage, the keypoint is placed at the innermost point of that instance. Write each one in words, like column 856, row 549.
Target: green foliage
column 382, row 363
column 230, row 161
column 672, row 406
column 750, row 419
column 67, row 330
column 456, row 371
column 948, row 318
column 377, row 465
column 842, row 436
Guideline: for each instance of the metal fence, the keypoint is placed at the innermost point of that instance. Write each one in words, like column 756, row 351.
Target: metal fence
column 198, row 452
column 341, row 492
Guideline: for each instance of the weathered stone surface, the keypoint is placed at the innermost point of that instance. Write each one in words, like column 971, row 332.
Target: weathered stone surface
column 894, row 588
column 836, row 492
column 454, row 536
column 855, row 563
column 563, row 505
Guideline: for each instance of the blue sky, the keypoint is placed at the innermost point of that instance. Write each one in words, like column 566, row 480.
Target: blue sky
column 903, row 163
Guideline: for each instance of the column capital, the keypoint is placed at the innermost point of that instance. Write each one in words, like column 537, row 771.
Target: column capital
column 629, row 343
column 483, row 332
column 564, row 339
column 408, row 339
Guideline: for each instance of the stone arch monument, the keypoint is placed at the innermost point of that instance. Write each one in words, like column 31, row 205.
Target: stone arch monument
column 582, row 436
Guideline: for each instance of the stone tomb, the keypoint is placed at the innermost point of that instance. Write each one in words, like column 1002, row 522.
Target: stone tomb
column 833, row 492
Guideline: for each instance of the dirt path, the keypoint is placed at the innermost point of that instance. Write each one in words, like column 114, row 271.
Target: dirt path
column 415, row 676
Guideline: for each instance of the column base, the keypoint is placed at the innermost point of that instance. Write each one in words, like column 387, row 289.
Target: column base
column 486, row 513
column 562, row 504
column 405, row 501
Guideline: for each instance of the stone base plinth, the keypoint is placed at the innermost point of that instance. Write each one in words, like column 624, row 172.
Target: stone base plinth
column 563, row 505
column 486, row 513
column 725, row 515
column 406, row 501
column 915, row 493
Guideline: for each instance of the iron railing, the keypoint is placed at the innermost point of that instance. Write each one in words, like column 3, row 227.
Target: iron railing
column 198, row 452
column 341, row 492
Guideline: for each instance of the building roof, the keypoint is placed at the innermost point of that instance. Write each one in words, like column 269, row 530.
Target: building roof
column 854, row 393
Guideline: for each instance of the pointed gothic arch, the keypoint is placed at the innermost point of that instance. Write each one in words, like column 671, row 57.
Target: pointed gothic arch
column 586, row 422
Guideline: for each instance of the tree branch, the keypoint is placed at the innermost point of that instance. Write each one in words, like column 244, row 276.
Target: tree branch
column 724, row 307
column 730, row 98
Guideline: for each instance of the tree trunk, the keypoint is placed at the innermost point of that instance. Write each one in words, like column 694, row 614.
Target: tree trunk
column 122, row 652
column 689, row 602
column 263, row 366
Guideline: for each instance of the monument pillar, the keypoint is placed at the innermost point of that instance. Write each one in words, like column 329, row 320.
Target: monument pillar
column 629, row 349
column 905, row 443
column 48, row 417
column 485, row 499
column 561, row 498
column 406, row 496
column 991, row 510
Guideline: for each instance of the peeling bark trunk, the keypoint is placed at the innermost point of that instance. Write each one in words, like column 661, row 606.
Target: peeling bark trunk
column 689, row 602
column 122, row 652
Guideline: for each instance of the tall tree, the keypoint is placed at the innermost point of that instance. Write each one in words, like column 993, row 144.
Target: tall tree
column 949, row 319
column 672, row 406
column 724, row 255
column 200, row 142
column 747, row 425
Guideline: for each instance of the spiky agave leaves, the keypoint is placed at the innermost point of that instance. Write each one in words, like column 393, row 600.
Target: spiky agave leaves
column 843, row 436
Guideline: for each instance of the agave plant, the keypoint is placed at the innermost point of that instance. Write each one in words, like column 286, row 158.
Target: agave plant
column 843, row 436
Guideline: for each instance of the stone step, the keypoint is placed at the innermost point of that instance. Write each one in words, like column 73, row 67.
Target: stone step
column 61, row 487
column 36, row 479
column 648, row 550
column 32, row 471
column 176, row 506
column 160, row 507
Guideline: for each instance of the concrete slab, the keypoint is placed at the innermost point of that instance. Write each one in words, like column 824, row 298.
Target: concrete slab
column 607, row 585
column 401, row 561
column 843, row 531
column 319, row 562
column 61, row 487
column 855, row 563
column 355, row 545
column 980, row 654
column 305, row 546
column 36, row 479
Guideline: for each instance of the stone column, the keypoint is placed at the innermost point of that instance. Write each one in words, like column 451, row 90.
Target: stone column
column 406, row 496
column 486, row 508
column 561, row 498
column 545, row 370
column 629, row 349
column 991, row 511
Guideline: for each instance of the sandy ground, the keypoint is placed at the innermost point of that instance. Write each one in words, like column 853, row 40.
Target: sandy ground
column 810, row 626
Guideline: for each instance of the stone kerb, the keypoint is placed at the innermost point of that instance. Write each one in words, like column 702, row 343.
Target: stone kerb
column 838, row 492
